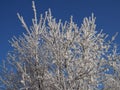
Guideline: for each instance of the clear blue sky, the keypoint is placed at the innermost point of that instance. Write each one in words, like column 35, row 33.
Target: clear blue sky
column 107, row 13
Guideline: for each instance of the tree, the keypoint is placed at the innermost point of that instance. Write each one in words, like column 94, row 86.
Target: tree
column 53, row 55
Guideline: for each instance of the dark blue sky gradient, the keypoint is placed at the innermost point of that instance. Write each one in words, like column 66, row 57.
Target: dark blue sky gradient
column 107, row 13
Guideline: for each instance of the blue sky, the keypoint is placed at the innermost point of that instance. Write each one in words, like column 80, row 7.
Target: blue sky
column 107, row 13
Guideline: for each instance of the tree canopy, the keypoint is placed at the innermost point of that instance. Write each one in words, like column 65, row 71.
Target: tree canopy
column 53, row 55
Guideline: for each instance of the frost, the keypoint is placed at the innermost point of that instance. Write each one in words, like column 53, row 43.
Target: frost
column 61, row 56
